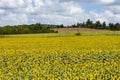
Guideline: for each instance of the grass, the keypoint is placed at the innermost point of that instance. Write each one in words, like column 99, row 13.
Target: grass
column 108, row 33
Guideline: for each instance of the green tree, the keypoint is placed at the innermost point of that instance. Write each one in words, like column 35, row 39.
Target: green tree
column 98, row 25
column 89, row 23
column 111, row 26
column 37, row 26
column 117, row 26
column 83, row 25
column 104, row 25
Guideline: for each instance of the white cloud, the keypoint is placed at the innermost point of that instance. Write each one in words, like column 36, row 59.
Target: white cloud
column 76, row 10
column 2, row 11
column 115, row 8
column 14, row 19
column 11, row 3
column 59, row 19
column 93, row 1
column 38, row 3
column 107, row 1
column 102, row 19
column 107, row 16
column 56, row 11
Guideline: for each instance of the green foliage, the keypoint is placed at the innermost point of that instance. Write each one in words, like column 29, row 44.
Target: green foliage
column 44, row 28
column 97, row 25
column 60, row 26
column 104, row 24
column 26, row 29
column 78, row 34
column 89, row 23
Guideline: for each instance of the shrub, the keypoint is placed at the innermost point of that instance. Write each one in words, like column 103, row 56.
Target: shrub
column 78, row 34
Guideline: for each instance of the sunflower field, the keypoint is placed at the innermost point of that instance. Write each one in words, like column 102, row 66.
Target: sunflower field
column 60, row 58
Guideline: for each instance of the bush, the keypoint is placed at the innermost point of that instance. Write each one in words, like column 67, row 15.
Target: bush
column 78, row 34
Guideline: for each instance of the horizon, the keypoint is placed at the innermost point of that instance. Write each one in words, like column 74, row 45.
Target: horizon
column 66, row 12
column 107, row 24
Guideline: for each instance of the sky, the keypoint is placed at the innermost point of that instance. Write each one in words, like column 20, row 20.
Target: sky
column 67, row 12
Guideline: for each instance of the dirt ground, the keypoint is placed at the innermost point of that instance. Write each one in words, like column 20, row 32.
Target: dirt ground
column 75, row 30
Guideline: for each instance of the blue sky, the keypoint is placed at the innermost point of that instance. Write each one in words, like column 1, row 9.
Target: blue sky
column 67, row 12
column 92, row 7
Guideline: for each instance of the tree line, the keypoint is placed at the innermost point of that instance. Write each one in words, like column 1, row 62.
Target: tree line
column 45, row 28
column 97, row 25
column 27, row 29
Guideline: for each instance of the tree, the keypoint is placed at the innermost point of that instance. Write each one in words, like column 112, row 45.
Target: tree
column 111, row 26
column 37, row 26
column 79, row 25
column 61, row 26
column 98, row 25
column 73, row 26
column 117, row 26
column 89, row 23
column 83, row 25
column 104, row 25
column 25, row 29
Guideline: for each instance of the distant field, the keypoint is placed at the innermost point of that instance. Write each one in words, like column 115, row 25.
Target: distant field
column 74, row 30
column 62, row 34
column 67, row 32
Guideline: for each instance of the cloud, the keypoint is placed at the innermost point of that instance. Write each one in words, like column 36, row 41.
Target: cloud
column 2, row 11
column 115, row 9
column 107, row 1
column 66, row 12
column 49, row 18
column 93, row 1
column 107, row 16
column 14, row 19
column 11, row 4
column 45, row 11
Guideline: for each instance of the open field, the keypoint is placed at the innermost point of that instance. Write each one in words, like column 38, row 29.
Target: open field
column 75, row 30
column 91, row 56
column 67, row 34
